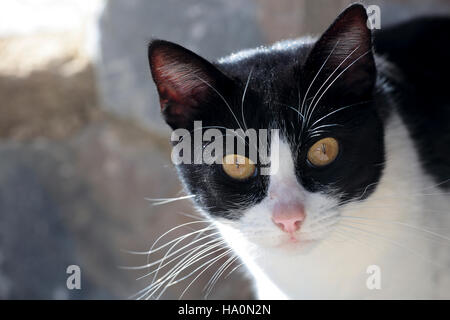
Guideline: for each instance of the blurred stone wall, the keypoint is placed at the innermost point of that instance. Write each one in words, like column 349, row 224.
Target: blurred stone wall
column 82, row 143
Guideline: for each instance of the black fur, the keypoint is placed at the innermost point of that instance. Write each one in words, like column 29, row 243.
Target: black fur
column 420, row 49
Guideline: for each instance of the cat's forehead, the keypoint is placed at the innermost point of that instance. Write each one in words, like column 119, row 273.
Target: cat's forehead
column 273, row 63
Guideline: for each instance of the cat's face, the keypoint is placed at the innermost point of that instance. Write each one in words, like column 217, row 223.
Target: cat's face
column 321, row 97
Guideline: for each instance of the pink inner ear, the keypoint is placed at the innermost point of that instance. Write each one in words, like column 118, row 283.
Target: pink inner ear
column 178, row 101
column 351, row 30
column 178, row 81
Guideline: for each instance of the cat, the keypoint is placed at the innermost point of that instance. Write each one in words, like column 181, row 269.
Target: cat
column 358, row 207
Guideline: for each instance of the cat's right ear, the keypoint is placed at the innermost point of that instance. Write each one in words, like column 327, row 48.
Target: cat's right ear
column 186, row 82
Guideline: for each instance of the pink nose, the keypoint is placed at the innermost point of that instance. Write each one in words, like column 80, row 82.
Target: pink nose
column 288, row 217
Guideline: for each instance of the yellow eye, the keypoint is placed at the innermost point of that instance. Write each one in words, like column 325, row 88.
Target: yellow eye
column 323, row 152
column 238, row 167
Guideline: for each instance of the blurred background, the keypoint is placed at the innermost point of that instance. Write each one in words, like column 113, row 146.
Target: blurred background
column 82, row 143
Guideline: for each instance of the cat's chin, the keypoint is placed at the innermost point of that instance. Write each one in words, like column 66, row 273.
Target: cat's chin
column 295, row 246
column 287, row 245
column 271, row 240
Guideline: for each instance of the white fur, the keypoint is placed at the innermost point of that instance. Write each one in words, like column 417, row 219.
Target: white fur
column 331, row 259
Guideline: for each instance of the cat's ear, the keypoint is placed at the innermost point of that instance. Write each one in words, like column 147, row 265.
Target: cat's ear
column 185, row 82
column 344, row 54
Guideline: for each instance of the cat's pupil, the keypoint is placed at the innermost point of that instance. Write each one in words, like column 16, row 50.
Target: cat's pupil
column 324, row 150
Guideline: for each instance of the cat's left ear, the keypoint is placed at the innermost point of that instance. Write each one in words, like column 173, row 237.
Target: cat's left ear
column 344, row 54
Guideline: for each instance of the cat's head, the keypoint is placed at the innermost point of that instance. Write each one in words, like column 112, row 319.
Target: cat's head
column 319, row 94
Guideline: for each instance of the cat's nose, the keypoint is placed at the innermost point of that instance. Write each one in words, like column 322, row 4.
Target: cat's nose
column 288, row 217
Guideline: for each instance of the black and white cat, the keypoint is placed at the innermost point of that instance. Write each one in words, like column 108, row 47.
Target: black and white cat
column 363, row 156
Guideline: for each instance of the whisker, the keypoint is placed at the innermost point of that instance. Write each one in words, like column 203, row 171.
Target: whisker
column 361, row 206
column 338, row 76
column 392, row 242
column 184, row 267
column 326, row 126
column 173, row 229
column 223, row 99
column 293, row 109
column 437, row 185
column 172, row 241
column 325, row 82
column 168, row 252
column 194, row 260
column 190, row 215
column 243, row 98
column 188, row 253
column 337, row 110
column 234, row 269
column 161, row 201
column 185, row 262
column 167, row 255
column 314, row 79
column 212, row 282
column 210, row 263
column 195, row 255
column 299, row 101
column 149, row 252
column 407, row 225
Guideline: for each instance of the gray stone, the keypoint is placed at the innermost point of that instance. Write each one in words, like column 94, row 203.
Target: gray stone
column 211, row 28
column 35, row 244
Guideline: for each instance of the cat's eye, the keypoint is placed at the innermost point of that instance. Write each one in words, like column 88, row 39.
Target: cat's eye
column 238, row 167
column 323, row 152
